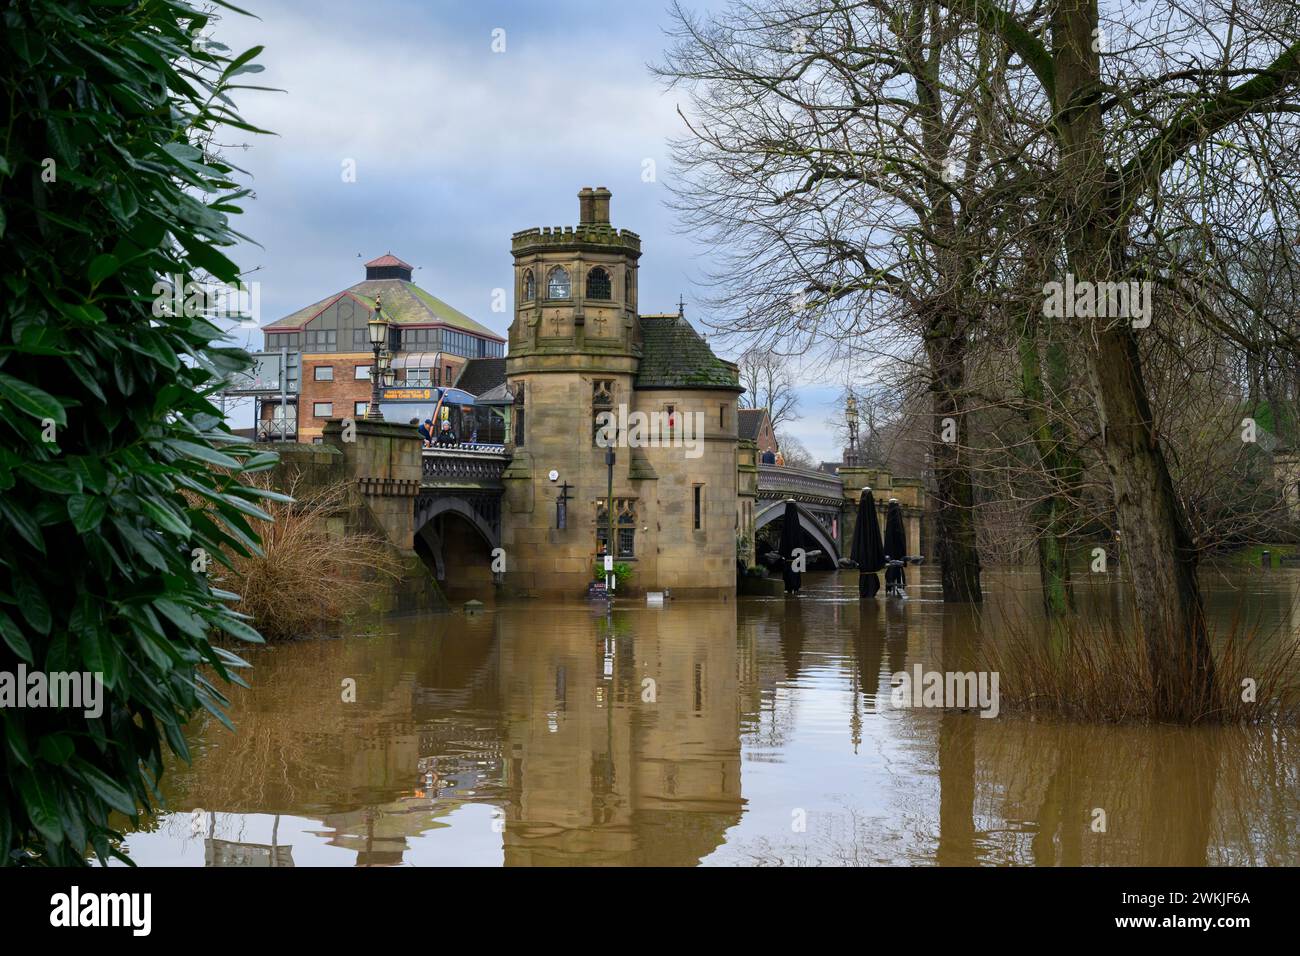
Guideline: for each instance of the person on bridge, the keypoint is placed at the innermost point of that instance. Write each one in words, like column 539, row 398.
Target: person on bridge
column 867, row 552
column 426, row 432
column 895, row 550
column 780, row 458
column 446, row 436
column 769, row 457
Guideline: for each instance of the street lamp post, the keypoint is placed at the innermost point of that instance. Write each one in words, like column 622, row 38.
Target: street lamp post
column 609, row 518
column 851, row 417
column 377, row 327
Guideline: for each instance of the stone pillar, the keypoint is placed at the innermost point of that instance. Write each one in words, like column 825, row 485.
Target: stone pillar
column 747, row 493
column 384, row 459
column 855, row 478
column 1286, row 471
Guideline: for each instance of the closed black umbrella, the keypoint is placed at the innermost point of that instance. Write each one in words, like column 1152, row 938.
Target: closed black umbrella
column 895, row 548
column 866, row 551
column 790, row 538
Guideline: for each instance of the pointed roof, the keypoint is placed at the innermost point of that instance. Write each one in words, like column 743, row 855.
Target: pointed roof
column 388, row 259
column 405, row 303
column 673, row 355
column 750, row 422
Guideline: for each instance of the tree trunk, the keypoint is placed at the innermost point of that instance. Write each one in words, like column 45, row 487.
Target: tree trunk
column 1155, row 541
column 1051, row 512
column 954, row 517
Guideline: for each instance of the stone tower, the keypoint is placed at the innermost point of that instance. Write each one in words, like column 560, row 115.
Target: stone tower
column 575, row 342
column 580, row 352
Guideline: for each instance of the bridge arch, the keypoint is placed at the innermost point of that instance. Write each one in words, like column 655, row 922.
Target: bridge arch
column 474, row 513
column 773, row 510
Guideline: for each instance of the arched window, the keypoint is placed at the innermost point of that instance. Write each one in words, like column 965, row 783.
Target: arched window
column 627, row 287
column 530, row 286
column 598, row 284
column 557, row 283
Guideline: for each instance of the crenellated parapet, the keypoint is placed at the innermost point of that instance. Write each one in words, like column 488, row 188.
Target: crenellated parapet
column 586, row 237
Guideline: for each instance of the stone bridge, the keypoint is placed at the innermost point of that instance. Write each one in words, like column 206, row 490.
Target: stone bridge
column 442, row 507
column 827, row 503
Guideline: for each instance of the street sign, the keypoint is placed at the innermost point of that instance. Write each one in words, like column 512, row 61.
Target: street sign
column 609, row 563
column 264, row 377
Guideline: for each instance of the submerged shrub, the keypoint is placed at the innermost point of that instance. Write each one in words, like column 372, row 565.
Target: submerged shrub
column 1095, row 667
column 306, row 578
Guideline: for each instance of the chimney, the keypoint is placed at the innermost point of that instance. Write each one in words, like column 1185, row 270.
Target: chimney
column 600, row 205
column 586, row 206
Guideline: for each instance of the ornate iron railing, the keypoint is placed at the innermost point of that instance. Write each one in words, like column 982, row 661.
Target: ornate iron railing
column 464, row 463
column 800, row 483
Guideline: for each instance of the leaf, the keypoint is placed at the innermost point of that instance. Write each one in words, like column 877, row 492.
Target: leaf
column 239, row 629
column 204, row 453
column 56, row 748
column 102, row 266
column 86, row 512
column 38, row 800
column 32, row 603
column 104, row 786
column 13, row 636
column 34, row 401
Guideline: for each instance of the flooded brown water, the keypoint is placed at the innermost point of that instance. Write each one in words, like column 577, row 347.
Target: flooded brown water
column 753, row 732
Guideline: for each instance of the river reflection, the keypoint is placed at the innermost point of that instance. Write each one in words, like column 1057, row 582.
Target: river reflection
column 757, row 732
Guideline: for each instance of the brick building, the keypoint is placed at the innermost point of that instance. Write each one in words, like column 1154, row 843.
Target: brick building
column 429, row 343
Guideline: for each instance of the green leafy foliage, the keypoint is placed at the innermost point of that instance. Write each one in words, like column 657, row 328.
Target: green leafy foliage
column 117, row 476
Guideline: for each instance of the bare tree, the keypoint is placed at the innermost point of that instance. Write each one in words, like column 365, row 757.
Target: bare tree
column 769, row 383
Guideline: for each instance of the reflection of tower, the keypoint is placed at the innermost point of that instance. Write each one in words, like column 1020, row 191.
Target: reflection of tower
column 639, row 764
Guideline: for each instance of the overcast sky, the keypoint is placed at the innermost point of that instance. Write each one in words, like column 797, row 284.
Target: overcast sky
column 456, row 146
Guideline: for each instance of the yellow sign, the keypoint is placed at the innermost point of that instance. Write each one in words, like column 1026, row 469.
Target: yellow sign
column 446, row 413
column 408, row 394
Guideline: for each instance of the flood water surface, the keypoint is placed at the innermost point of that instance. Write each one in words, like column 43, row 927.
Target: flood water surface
column 753, row 732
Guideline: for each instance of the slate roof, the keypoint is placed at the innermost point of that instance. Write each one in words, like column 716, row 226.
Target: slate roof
column 405, row 303
column 481, row 375
column 749, row 422
column 674, row 356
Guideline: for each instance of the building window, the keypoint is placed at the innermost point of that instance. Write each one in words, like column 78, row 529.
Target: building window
column 359, row 409
column 530, row 286
column 361, row 339
column 321, row 340
column 361, row 373
column 624, row 526
column 322, row 409
column 419, row 376
column 722, row 418
column 699, row 507
column 627, row 288
column 557, row 283
column 323, row 373
column 598, row 284
column 519, row 415
column 602, row 402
